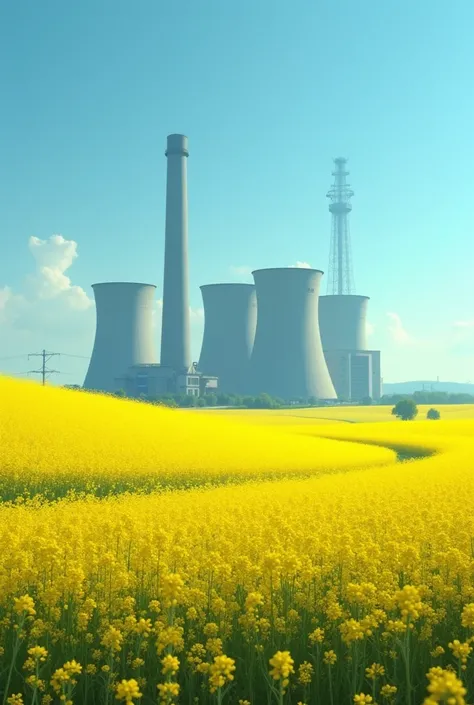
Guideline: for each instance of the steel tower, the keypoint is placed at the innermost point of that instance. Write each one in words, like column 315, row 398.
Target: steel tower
column 341, row 276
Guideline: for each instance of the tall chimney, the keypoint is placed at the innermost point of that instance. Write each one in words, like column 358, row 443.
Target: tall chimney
column 175, row 339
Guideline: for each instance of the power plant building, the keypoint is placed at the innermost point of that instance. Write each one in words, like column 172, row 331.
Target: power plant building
column 287, row 359
column 230, row 320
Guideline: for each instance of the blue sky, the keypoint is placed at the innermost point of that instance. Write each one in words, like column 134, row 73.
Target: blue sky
column 269, row 92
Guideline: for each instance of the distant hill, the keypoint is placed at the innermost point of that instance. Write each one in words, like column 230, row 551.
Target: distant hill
column 410, row 387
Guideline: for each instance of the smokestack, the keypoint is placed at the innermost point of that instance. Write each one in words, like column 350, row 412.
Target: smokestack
column 287, row 359
column 124, row 333
column 230, row 318
column 343, row 321
column 175, row 338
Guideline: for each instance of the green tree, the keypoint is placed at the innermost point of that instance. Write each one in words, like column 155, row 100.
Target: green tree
column 367, row 401
column 405, row 409
column 433, row 414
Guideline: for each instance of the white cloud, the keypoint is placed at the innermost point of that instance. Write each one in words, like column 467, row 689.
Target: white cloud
column 396, row 330
column 48, row 300
column 53, row 258
column 301, row 265
column 242, row 272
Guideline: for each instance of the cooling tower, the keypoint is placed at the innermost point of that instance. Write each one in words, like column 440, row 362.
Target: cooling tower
column 287, row 359
column 342, row 322
column 230, row 318
column 123, row 336
column 175, row 337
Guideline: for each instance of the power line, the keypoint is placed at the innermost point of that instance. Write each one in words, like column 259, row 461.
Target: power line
column 44, row 371
column 82, row 357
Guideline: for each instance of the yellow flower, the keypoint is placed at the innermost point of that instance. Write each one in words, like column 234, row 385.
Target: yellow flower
column 388, row 692
column 330, row 657
column 15, row 699
column 24, row 605
column 305, row 673
column 363, row 699
column 460, row 651
column 467, row 616
column 211, row 629
column 409, row 602
column 317, row 636
column 112, row 639
column 170, row 664
column 220, row 672
column 168, row 691
column 143, row 627
column 282, row 667
column 374, row 671
column 38, row 653
column 172, row 588
column 444, row 687
column 72, row 667
column 127, row 690
column 253, row 600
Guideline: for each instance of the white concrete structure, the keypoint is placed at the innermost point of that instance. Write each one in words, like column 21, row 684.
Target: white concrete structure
column 355, row 373
column 175, row 334
column 287, row 359
column 343, row 322
column 354, row 370
column 124, row 332
column 230, row 320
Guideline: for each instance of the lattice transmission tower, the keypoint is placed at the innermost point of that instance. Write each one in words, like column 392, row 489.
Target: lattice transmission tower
column 341, row 276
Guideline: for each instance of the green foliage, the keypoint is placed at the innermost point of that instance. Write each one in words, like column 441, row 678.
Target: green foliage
column 433, row 414
column 423, row 397
column 405, row 409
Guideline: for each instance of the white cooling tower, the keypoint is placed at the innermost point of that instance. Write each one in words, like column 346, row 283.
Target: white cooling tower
column 124, row 333
column 287, row 359
column 343, row 321
column 230, row 318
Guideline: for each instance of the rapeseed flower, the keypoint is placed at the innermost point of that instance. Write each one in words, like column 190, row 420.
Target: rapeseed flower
column 127, row 690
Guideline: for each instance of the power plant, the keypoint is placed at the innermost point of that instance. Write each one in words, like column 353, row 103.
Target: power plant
column 277, row 336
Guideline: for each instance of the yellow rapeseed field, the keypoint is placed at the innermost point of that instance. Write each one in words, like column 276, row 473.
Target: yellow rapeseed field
column 61, row 440
column 350, row 587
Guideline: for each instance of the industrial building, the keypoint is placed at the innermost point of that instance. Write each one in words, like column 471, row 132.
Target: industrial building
column 230, row 320
column 124, row 355
column 287, row 359
column 355, row 370
column 277, row 336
